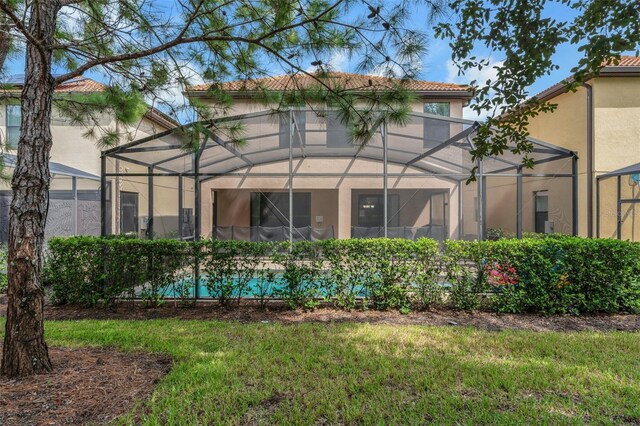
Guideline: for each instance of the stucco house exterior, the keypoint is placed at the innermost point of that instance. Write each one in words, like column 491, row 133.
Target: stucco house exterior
column 336, row 205
column 601, row 123
column 298, row 174
column 75, row 164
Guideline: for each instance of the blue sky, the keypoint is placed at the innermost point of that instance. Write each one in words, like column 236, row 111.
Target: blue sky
column 436, row 64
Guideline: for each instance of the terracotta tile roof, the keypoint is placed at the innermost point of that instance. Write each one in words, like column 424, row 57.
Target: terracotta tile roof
column 81, row 85
column 559, row 88
column 625, row 61
column 76, row 85
column 348, row 81
column 87, row 85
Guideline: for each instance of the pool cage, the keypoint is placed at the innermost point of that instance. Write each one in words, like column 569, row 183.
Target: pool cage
column 620, row 188
column 74, row 201
column 298, row 176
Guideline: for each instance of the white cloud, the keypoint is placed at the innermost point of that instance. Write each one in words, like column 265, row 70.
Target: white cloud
column 393, row 69
column 171, row 99
column 338, row 61
column 480, row 76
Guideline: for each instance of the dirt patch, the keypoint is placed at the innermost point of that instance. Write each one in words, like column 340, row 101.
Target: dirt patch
column 278, row 312
column 87, row 386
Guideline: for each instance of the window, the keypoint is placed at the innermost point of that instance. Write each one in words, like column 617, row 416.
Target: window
column 436, row 131
column 299, row 133
column 13, row 124
column 338, row 134
column 128, row 212
column 542, row 210
column 272, row 209
column 371, row 210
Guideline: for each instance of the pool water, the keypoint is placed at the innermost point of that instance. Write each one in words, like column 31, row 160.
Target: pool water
column 255, row 288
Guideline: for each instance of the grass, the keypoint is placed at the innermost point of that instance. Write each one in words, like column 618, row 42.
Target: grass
column 230, row 373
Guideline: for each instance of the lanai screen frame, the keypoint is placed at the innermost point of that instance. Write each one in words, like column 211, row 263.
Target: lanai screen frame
column 618, row 174
column 463, row 140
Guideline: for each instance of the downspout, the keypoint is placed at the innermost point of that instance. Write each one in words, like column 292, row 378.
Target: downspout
column 589, row 159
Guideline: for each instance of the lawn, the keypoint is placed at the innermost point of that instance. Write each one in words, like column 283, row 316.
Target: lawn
column 233, row 373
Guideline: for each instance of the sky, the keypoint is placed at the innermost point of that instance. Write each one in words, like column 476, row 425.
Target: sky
column 436, row 63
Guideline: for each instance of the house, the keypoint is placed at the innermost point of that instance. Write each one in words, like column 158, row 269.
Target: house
column 339, row 206
column 75, row 165
column 299, row 175
column 601, row 123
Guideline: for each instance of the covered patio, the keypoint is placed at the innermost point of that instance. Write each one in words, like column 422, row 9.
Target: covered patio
column 298, row 176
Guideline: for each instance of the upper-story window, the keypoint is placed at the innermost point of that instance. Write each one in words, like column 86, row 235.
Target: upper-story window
column 438, row 108
column 299, row 134
column 13, row 124
column 436, row 131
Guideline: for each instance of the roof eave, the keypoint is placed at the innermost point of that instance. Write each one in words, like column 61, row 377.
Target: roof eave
column 249, row 94
column 609, row 71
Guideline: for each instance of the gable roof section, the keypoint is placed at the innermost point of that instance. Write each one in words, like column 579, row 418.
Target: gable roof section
column 628, row 66
column 348, row 81
column 87, row 85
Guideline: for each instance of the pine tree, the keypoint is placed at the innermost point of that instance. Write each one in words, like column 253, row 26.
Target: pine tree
column 144, row 46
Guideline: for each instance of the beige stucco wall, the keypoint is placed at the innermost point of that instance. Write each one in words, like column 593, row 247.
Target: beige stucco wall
column 165, row 197
column 331, row 196
column 616, row 133
column 244, row 106
column 72, row 148
column 617, row 144
column 566, row 127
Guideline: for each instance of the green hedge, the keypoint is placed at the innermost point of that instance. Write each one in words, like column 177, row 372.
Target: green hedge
column 92, row 270
column 554, row 275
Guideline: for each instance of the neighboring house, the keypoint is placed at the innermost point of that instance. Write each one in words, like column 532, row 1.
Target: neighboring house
column 75, row 167
column 601, row 122
column 333, row 205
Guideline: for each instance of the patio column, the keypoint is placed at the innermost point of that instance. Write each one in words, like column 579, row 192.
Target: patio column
column 290, row 176
column 344, row 212
column 574, row 195
column 197, row 197
column 460, row 212
column 481, row 202
column 519, row 203
column 103, row 196
column 150, row 204
column 195, row 163
column 619, row 209
column 74, row 191
column 385, row 172
column 598, row 207
column 180, row 206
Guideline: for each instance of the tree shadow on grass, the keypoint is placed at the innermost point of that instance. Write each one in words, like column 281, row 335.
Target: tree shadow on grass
column 360, row 373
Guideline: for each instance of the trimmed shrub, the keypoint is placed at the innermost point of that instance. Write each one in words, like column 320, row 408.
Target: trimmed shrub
column 92, row 270
column 548, row 275
column 463, row 264
column 566, row 275
column 302, row 280
column 389, row 273
column 230, row 267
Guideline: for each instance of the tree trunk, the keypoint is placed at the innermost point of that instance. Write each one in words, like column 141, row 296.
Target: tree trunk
column 25, row 351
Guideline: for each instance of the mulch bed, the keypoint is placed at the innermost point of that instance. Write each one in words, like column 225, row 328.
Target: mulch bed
column 278, row 312
column 87, row 386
